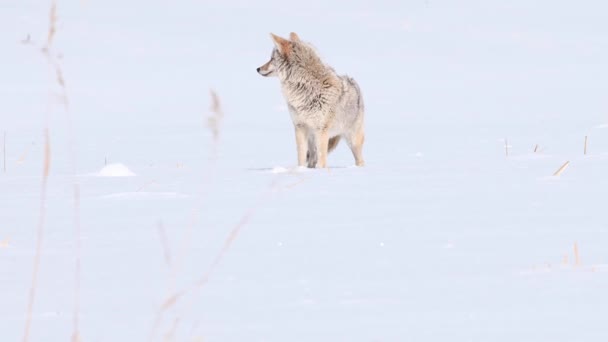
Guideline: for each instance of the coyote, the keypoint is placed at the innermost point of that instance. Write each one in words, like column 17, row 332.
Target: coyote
column 324, row 106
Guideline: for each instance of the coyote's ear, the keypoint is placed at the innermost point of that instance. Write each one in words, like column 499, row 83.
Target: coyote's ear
column 282, row 44
column 294, row 37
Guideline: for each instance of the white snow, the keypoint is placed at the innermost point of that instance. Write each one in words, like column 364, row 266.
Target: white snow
column 144, row 195
column 279, row 169
column 440, row 237
column 115, row 170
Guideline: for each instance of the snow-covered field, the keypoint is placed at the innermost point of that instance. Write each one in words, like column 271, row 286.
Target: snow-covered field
column 180, row 237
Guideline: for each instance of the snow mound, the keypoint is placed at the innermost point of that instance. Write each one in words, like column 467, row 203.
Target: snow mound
column 279, row 169
column 115, row 170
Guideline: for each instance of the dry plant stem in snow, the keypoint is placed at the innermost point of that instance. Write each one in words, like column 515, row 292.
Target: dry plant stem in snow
column 585, row 147
column 162, row 234
column 213, row 124
column 214, row 121
column 50, row 56
column 4, row 152
column 561, row 169
column 228, row 242
column 39, row 235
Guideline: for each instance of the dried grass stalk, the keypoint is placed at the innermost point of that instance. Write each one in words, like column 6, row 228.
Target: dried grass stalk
column 577, row 259
column 4, row 152
column 561, row 169
column 214, row 121
column 39, row 235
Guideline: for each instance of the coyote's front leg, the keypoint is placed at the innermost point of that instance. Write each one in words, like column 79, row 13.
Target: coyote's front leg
column 320, row 143
column 301, row 144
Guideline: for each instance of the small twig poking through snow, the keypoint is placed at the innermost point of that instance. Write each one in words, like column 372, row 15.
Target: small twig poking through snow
column 214, row 121
column 506, row 147
column 561, row 169
column 585, row 148
column 21, row 158
column 27, row 40
column 4, row 152
column 535, row 148
column 165, row 244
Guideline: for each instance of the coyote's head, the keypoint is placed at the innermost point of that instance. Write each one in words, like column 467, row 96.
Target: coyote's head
column 287, row 55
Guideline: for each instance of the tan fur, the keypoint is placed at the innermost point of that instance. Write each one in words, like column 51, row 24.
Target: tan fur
column 324, row 106
column 301, row 144
column 282, row 44
column 322, row 141
column 357, row 146
column 294, row 37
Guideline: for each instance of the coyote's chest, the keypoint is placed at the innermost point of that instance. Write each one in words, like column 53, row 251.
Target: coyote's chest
column 310, row 102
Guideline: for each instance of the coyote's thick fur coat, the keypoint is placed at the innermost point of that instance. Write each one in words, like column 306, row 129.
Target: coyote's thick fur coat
column 324, row 106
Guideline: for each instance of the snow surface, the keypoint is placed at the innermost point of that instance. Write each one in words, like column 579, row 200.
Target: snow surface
column 115, row 170
column 441, row 237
